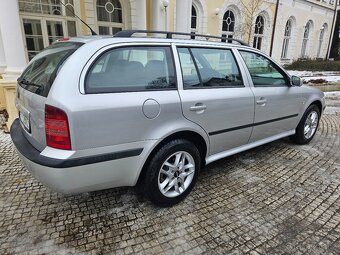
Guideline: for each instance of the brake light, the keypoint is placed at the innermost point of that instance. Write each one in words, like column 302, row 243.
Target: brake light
column 63, row 39
column 56, row 128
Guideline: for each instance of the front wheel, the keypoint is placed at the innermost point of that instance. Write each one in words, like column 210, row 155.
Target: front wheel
column 172, row 172
column 308, row 125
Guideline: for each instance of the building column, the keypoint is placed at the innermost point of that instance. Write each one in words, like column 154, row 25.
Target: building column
column 12, row 41
column 158, row 15
column 140, row 14
column 183, row 16
column 2, row 57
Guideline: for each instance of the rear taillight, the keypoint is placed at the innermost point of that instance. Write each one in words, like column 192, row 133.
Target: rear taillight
column 56, row 128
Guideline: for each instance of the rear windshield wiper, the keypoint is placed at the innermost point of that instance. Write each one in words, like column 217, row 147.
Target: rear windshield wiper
column 26, row 82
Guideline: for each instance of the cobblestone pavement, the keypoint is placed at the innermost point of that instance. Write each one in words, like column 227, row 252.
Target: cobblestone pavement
column 279, row 198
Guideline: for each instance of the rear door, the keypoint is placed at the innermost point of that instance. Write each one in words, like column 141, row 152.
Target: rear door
column 215, row 96
column 129, row 94
column 277, row 103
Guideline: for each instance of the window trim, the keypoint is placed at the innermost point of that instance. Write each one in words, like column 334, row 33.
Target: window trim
column 84, row 78
column 281, row 70
column 189, row 47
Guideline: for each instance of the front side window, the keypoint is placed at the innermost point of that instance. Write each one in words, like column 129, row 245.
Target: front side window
column 263, row 72
column 214, row 68
column 132, row 69
column 258, row 32
column 109, row 16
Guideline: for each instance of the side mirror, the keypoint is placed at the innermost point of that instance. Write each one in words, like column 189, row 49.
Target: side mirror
column 296, row 81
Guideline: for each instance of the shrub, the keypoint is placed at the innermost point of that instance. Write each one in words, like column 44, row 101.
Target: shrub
column 314, row 65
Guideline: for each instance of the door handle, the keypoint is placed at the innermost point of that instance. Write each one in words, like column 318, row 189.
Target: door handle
column 198, row 107
column 261, row 101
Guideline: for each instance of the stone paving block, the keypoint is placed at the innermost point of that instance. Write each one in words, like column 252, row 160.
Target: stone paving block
column 279, row 198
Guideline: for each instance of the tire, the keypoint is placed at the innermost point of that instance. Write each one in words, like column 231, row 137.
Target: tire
column 179, row 181
column 302, row 137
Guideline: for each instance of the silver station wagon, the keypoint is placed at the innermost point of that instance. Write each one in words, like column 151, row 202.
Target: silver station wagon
column 132, row 109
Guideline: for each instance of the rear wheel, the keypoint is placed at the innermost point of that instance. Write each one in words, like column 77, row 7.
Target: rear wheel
column 172, row 172
column 308, row 125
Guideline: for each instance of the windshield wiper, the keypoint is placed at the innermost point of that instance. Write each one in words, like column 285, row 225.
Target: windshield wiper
column 26, row 82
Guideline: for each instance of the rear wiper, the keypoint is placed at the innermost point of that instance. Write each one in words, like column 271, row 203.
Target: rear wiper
column 26, row 82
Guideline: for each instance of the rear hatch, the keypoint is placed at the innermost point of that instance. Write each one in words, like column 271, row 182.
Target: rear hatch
column 33, row 88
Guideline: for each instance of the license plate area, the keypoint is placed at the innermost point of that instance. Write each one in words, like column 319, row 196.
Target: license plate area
column 24, row 117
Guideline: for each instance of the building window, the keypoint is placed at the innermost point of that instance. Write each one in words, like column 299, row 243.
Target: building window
column 193, row 19
column 258, row 33
column 109, row 16
column 305, row 40
column 228, row 24
column 286, row 39
column 321, row 37
column 46, row 21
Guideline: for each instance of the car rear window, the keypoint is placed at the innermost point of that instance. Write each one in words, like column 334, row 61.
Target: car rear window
column 39, row 75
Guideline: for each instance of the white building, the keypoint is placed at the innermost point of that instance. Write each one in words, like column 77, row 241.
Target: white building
column 285, row 29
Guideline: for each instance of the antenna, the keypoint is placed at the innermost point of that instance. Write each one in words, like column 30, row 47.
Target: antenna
column 92, row 32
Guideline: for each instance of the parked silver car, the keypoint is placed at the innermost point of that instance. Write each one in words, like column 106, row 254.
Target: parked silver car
column 102, row 112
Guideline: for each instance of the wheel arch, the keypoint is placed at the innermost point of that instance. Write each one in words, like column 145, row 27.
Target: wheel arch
column 189, row 135
column 318, row 104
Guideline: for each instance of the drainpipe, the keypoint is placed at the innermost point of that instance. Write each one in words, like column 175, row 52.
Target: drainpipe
column 332, row 30
column 274, row 27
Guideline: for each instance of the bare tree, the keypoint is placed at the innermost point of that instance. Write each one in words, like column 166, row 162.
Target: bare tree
column 250, row 10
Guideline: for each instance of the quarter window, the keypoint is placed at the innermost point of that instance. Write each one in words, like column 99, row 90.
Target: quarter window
column 214, row 67
column 263, row 72
column 189, row 72
column 132, row 69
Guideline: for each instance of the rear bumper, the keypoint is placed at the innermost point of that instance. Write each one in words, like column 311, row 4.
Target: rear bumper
column 75, row 175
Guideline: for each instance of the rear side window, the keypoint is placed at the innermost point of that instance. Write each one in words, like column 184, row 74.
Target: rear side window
column 38, row 77
column 131, row 69
column 214, row 68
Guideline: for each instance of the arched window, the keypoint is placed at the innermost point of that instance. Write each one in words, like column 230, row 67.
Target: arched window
column 228, row 24
column 321, row 37
column 109, row 16
column 193, row 19
column 46, row 21
column 286, row 39
column 305, row 39
column 258, row 33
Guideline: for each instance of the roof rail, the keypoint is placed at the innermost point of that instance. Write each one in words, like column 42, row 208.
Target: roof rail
column 129, row 33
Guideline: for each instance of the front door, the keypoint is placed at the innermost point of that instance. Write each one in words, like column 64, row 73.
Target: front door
column 215, row 96
column 277, row 103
